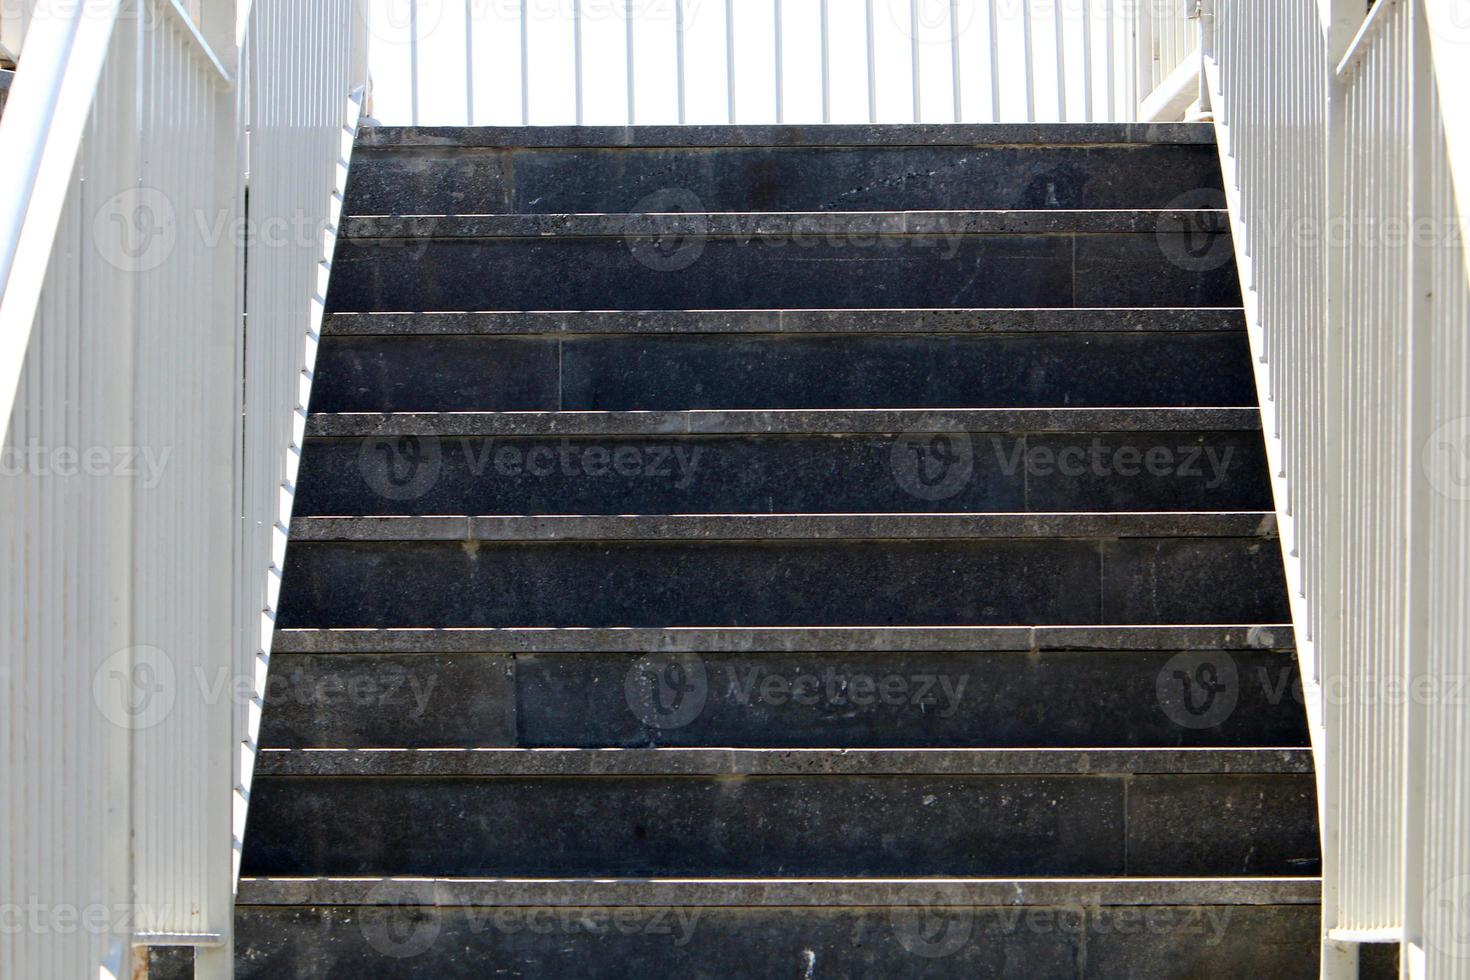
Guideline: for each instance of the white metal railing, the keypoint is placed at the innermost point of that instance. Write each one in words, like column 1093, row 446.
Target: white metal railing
column 1341, row 175
column 132, row 581
column 616, row 62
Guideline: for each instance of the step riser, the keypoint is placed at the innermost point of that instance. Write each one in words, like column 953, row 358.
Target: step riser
column 946, row 472
column 901, row 178
column 785, row 826
column 830, row 271
column 449, row 374
column 1146, row 943
column 875, row 700
column 886, row 583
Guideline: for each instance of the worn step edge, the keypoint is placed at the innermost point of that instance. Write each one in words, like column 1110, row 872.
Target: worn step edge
column 494, row 762
column 779, row 892
column 915, row 321
column 1041, row 135
column 785, row 527
column 785, row 422
column 793, row 639
column 758, row 225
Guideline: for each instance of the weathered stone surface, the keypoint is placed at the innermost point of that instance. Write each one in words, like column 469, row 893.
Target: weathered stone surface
column 764, row 826
column 791, row 583
column 779, row 892
column 831, row 270
column 505, row 762
column 493, row 180
column 1178, row 825
column 864, row 135
column 825, row 639
column 987, row 943
column 962, row 321
column 674, row 373
column 365, row 701
column 1197, row 471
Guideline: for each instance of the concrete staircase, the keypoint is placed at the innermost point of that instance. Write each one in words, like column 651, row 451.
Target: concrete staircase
column 867, row 570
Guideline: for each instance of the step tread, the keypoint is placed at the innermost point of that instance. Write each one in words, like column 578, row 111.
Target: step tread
column 783, row 224
column 768, row 527
column 490, row 762
column 958, row 320
column 1043, row 135
column 791, row 892
column 782, row 422
column 823, row 639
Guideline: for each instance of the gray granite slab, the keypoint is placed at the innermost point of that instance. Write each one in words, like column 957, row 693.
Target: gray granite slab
column 603, row 583
column 941, row 891
column 548, row 762
column 772, row 527
column 400, row 374
column 903, row 134
column 547, row 180
column 619, row 322
column 775, row 825
column 830, row 639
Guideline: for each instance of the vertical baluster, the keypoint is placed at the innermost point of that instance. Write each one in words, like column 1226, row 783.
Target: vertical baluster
column 632, row 101
column 1087, row 112
column 469, row 63
column 577, row 55
column 413, row 60
column 1030, row 61
column 826, row 66
column 1061, row 34
column 954, row 58
column 730, row 61
column 1112, row 61
column 679, row 56
column 914, row 57
column 994, row 60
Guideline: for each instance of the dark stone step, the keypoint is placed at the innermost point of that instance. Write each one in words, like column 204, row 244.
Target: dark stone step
column 918, row 321
column 821, row 825
column 772, row 371
column 882, row 698
column 865, row 135
column 483, row 762
column 826, row 639
column 787, row 462
column 785, row 527
column 777, row 229
column 817, row 261
column 400, row 179
column 653, row 583
column 1067, row 942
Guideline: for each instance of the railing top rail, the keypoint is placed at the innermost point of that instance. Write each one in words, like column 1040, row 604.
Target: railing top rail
column 45, row 118
column 1363, row 39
